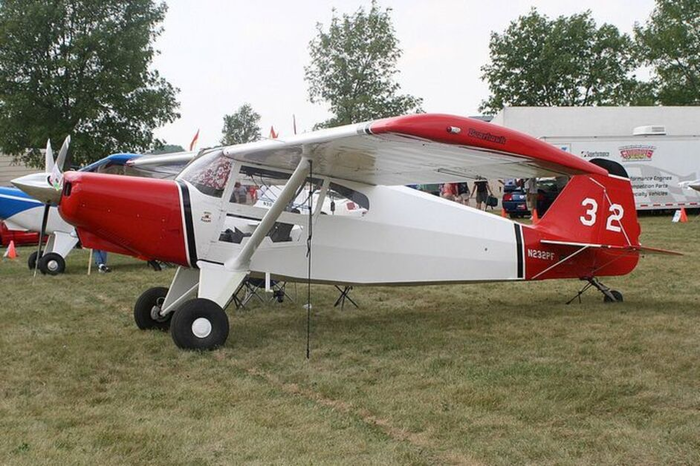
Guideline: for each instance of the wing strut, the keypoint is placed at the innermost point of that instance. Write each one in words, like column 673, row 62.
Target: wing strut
column 218, row 283
column 242, row 260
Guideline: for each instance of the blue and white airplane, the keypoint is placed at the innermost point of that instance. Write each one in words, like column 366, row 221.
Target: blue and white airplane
column 22, row 212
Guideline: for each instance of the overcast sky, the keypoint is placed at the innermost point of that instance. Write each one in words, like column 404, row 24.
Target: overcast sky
column 223, row 53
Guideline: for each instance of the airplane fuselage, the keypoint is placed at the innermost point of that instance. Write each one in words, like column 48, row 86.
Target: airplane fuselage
column 405, row 236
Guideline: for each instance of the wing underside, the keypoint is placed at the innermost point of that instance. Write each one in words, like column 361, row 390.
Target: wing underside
column 416, row 149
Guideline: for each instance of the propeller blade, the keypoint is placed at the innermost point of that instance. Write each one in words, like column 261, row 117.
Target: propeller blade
column 56, row 177
column 61, row 159
column 48, row 158
column 42, row 232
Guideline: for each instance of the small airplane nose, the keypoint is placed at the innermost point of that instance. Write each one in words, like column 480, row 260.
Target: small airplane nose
column 128, row 215
column 37, row 186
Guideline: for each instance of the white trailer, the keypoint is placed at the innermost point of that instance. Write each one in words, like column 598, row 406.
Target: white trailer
column 655, row 162
column 656, row 157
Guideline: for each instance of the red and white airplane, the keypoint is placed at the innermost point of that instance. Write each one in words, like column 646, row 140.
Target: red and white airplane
column 404, row 237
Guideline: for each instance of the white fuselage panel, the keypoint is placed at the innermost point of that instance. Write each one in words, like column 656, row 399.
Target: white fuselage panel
column 406, row 237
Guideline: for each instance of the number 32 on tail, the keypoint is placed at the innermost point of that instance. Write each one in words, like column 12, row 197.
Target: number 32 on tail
column 589, row 219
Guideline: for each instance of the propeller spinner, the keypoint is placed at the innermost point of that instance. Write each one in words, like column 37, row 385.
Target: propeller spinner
column 46, row 187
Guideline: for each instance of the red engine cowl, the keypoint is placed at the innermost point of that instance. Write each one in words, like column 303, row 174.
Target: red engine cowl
column 137, row 216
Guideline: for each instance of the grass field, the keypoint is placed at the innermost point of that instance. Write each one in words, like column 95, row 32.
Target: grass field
column 480, row 374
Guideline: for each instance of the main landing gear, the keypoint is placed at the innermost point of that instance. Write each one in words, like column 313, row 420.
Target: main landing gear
column 52, row 264
column 198, row 324
column 49, row 263
column 198, row 295
column 609, row 295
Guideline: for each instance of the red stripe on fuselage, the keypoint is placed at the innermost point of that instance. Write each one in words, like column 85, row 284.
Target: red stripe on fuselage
column 139, row 215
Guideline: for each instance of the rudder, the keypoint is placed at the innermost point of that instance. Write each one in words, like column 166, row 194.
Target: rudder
column 595, row 209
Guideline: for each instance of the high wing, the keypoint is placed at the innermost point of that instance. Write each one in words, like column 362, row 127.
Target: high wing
column 424, row 148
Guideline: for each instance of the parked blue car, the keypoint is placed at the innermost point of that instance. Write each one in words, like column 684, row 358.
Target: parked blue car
column 515, row 200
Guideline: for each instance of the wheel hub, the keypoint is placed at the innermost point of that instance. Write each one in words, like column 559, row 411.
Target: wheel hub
column 155, row 311
column 201, row 327
column 52, row 266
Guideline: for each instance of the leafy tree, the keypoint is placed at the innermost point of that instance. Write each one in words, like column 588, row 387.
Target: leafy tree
column 167, row 149
column 567, row 62
column 353, row 66
column 81, row 67
column 241, row 127
column 670, row 42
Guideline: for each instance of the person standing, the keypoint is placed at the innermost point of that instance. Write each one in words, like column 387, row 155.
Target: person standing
column 482, row 191
column 463, row 193
column 449, row 191
column 101, row 261
column 240, row 193
column 531, row 191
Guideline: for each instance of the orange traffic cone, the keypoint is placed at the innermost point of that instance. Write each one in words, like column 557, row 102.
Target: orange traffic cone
column 684, row 216
column 535, row 218
column 503, row 213
column 11, row 252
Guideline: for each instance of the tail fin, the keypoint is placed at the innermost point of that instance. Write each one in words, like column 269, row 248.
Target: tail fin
column 594, row 209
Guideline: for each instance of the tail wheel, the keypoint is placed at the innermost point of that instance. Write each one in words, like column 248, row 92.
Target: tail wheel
column 31, row 262
column 147, row 308
column 199, row 324
column 616, row 294
column 52, row 264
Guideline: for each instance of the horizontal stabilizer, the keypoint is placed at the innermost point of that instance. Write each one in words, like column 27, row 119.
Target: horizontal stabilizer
column 646, row 250
column 640, row 249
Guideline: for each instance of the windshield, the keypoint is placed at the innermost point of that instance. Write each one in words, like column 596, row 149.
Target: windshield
column 208, row 173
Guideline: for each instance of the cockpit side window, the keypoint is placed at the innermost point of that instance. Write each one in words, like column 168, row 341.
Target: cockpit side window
column 111, row 169
column 209, row 173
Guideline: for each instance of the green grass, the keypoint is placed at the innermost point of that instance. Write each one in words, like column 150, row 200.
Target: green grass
column 480, row 374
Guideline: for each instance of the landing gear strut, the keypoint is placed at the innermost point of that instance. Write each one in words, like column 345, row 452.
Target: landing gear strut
column 609, row 295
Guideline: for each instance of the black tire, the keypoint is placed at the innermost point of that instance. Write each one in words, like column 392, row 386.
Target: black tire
column 31, row 262
column 616, row 294
column 149, row 299
column 52, row 264
column 201, row 315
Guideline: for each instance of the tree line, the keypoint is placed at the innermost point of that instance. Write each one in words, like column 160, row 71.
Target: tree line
column 570, row 61
column 83, row 67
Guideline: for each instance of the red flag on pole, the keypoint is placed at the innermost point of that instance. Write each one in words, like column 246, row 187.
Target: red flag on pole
column 194, row 141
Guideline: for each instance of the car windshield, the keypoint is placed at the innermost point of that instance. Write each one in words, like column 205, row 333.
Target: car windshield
column 208, row 173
